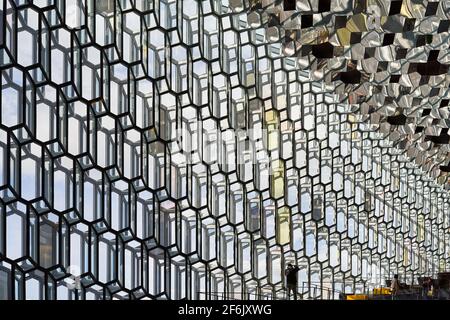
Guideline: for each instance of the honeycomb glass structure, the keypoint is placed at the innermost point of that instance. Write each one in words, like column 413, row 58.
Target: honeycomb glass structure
column 388, row 59
column 186, row 149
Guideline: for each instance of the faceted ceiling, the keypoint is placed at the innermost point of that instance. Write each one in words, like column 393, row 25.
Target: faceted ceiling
column 387, row 60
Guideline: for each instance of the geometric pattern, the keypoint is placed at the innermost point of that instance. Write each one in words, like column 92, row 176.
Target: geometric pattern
column 388, row 59
column 170, row 149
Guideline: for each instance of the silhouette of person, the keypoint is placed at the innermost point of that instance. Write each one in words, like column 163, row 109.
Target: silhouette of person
column 426, row 287
column 395, row 287
column 291, row 280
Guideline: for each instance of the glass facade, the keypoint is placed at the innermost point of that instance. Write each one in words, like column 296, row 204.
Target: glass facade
column 174, row 149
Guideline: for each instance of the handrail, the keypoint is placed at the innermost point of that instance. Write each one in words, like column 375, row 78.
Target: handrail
column 241, row 295
column 318, row 291
column 315, row 286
